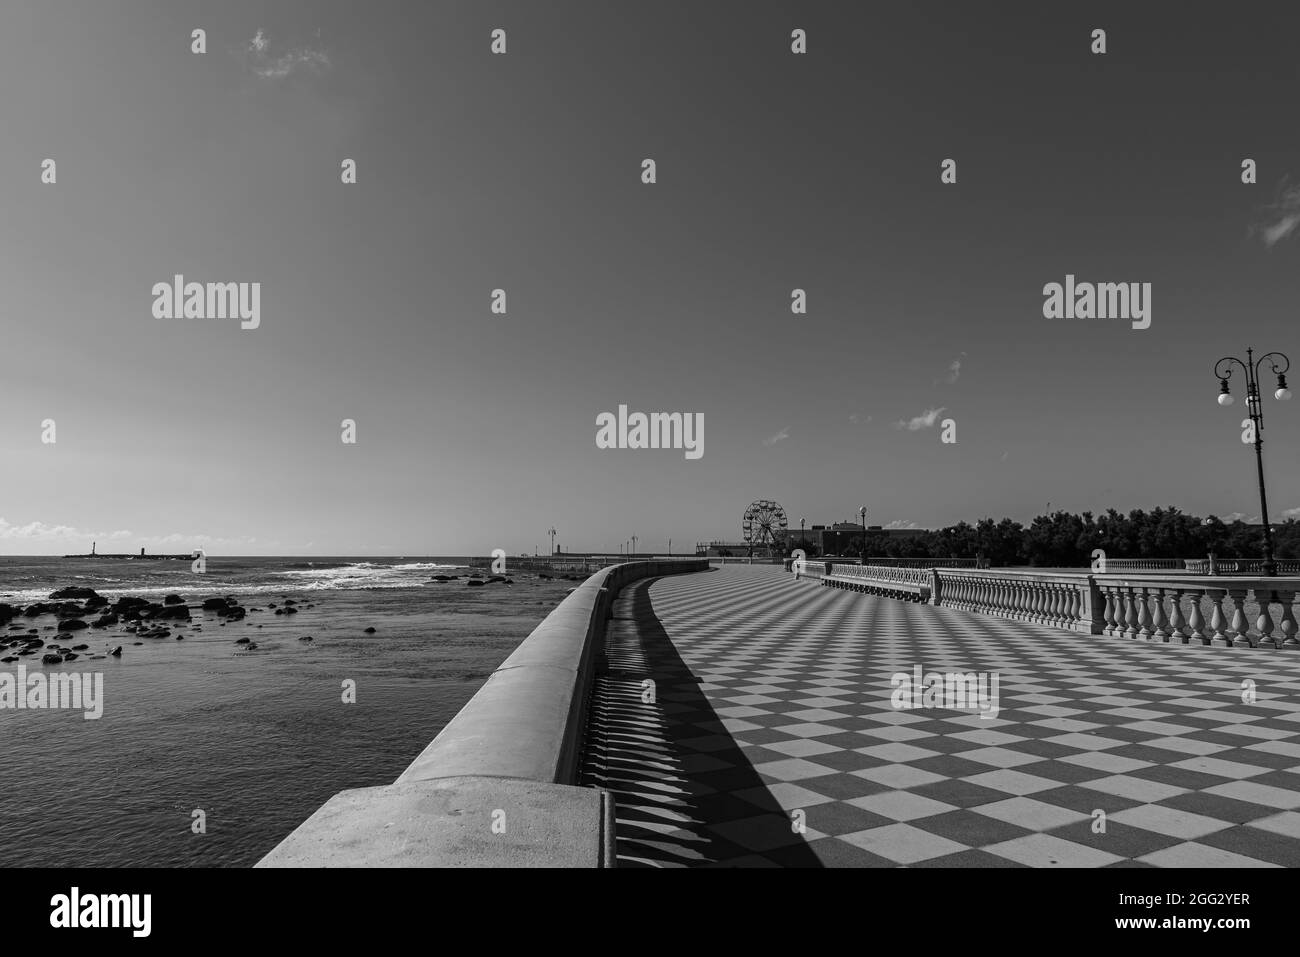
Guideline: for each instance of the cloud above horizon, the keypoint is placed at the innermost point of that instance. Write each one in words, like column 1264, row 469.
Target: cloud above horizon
column 259, row 56
column 925, row 420
column 1281, row 218
column 44, row 533
column 779, row 437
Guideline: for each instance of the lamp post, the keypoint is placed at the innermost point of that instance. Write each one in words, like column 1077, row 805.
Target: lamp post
column 633, row 544
column 552, row 534
column 1255, row 409
column 862, row 559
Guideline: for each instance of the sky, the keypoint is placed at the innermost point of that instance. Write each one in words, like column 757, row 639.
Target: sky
column 775, row 171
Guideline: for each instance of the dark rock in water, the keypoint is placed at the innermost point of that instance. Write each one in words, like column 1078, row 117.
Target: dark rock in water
column 80, row 647
column 234, row 613
column 116, row 652
column 34, row 643
column 64, row 634
column 72, row 624
column 122, row 604
column 544, row 576
column 75, row 592
column 105, row 621
column 172, row 613
column 290, row 601
column 496, row 578
column 8, row 612
column 101, row 657
column 306, row 638
column 69, row 609
column 291, row 611
column 9, row 659
column 51, row 659
column 173, row 600
column 270, row 604
column 509, row 581
column 474, row 581
column 211, row 603
column 136, row 643
column 243, row 641
column 440, row 578
column 252, row 646
column 161, row 633
column 180, row 637
column 70, row 656
column 279, row 611
column 370, row 631
column 93, row 604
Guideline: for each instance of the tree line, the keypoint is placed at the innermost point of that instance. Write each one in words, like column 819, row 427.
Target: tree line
column 1066, row 540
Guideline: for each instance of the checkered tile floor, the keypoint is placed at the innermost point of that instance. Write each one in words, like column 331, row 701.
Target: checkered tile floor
column 771, row 706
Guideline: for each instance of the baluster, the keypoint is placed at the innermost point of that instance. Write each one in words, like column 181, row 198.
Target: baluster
column 1130, row 612
column 1217, row 622
column 1196, row 621
column 1038, row 603
column 1240, row 627
column 1264, row 624
column 1177, row 623
column 1144, row 617
column 1288, row 623
column 1056, row 604
column 1074, row 608
column 1114, row 613
column 1160, row 624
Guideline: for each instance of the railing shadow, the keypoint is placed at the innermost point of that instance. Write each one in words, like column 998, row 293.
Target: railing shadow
column 686, row 795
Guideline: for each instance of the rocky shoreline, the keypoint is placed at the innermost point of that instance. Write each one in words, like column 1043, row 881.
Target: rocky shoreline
column 80, row 612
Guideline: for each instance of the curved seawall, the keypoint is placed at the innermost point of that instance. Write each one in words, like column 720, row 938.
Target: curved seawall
column 496, row 786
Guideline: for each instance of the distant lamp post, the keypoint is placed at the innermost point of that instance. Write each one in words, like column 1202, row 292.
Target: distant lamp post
column 1255, row 409
column 552, row 534
column 862, row 559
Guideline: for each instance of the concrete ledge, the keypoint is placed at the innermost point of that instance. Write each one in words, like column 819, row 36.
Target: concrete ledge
column 455, row 822
column 514, row 745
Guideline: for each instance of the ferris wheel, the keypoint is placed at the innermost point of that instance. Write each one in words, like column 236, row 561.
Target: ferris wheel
column 765, row 523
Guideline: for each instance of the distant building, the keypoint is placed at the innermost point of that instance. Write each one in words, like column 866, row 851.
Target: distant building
column 835, row 539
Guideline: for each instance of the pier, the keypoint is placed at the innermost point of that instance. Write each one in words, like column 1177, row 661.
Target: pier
column 674, row 714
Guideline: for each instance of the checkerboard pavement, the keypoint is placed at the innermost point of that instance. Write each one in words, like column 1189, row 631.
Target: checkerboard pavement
column 771, row 703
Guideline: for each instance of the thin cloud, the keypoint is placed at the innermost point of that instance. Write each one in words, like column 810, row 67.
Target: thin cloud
column 902, row 523
column 954, row 369
column 779, row 437
column 857, row 419
column 1280, row 219
column 260, row 55
column 925, row 420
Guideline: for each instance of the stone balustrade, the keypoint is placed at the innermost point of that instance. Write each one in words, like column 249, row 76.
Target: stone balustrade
column 1060, row 601
column 1175, row 612
column 1237, row 611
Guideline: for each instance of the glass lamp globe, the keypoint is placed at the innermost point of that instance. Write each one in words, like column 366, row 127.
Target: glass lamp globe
column 1282, row 394
column 1225, row 399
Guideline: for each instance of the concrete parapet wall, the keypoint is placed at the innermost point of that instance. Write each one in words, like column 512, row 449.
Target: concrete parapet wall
column 517, row 739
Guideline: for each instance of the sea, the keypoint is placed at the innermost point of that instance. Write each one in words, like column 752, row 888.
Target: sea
column 208, row 754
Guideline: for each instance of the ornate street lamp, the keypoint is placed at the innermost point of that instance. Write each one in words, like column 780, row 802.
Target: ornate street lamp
column 552, row 534
column 862, row 559
column 1255, row 409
